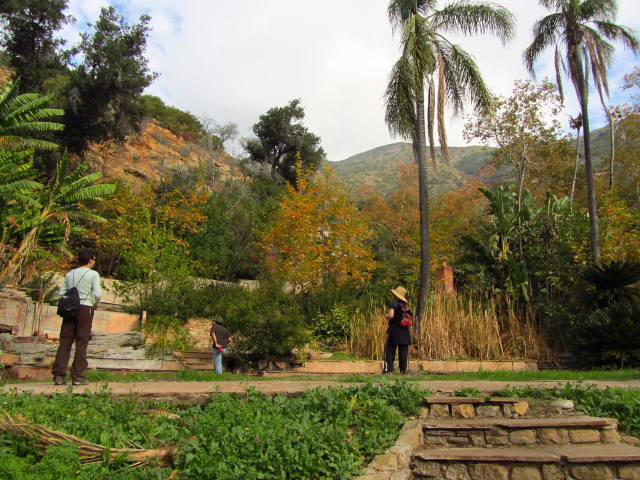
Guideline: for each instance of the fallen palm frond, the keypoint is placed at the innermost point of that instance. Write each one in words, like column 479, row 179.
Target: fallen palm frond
column 89, row 452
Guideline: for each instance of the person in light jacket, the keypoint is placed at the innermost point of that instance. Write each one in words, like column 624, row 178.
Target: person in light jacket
column 78, row 329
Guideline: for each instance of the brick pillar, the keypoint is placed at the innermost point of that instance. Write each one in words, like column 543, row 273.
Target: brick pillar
column 444, row 278
column 272, row 259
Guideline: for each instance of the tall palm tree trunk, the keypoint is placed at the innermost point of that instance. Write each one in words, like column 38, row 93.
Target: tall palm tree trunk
column 420, row 141
column 592, row 205
column 575, row 168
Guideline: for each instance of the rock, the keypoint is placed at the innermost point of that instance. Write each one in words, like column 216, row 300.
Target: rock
column 402, row 453
column 592, row 472
column 563, row 404
column 521, row 408
column 610, row 436
column 584, row 436
column 462, row 411
column 629, row 472
column 525, row 473
column 385, row 462
column 553, row 436
column 439, row 411
column 523, row 437
column 489, row 411
column 457, row 471
column 489, row 471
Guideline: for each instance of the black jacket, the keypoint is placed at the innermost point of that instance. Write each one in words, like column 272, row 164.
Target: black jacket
column 398, row 335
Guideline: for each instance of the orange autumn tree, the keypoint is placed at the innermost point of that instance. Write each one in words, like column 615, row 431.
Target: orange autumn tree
column 320, row 237
column 396, row 220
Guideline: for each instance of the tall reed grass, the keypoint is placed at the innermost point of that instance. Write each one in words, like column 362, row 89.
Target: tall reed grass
column 455, row 326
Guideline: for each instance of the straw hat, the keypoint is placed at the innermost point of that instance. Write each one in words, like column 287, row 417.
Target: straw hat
column 400, row 292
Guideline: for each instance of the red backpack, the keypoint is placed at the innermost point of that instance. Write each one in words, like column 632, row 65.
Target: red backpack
column 407, row 319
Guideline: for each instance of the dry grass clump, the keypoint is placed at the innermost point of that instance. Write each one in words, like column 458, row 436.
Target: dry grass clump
column 459, row 326
column 89, row 452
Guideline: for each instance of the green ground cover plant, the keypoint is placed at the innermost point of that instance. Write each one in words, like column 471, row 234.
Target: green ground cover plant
column 327, row 433
column 620, row 403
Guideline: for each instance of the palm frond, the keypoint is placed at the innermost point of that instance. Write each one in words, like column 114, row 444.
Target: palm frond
column 90, row 192
column 625, row 35
column 399, row 11
column 399, row 97
column 545, row 33
column 474, row 18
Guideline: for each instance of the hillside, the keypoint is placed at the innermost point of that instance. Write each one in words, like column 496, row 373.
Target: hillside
column 153, row 153
column 377, row 168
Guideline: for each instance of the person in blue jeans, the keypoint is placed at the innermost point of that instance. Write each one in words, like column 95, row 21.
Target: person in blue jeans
column 221, row 340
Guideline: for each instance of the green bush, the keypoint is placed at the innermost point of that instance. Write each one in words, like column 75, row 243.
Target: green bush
column 167, row 333
column 266, row 320
column 177, row 121
column 611, row 335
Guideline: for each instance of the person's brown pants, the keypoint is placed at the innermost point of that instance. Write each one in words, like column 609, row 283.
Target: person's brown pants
column 78, row 330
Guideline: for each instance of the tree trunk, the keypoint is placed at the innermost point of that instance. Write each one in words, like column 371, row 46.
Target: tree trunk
column 420, row 141
column 6, row 275
column 581, row 90
column 575, row 169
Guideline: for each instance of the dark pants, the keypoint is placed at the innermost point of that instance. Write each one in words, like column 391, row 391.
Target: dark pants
column 78, row 330
column 390, row 356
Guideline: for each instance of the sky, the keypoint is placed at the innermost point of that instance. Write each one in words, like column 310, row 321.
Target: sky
column 232, row 61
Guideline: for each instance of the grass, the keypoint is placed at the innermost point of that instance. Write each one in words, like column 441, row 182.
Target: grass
column 500, row 376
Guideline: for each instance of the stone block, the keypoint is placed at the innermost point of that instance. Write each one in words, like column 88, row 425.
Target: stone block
column 477, row 440
column 526, row 473
column 523, row 437
column 553, row 472
column 507, row 410
column 403, row 454
column 412, row 437
column 610, row 436
column 496, row 440
column 489, row 471
column 439, row 411
column 424, row 413
column 434, row 440
column 629, row 472
column 462, row 411
column 521, row 408
column 457, row 471
column 592, row 472
column 630, row 439
column 426, row 469
column 385, row 462
column 402, row 474
column 459, row 441
column 553, row 436
column 489, row 411
column 584, row 436
column 375, row 476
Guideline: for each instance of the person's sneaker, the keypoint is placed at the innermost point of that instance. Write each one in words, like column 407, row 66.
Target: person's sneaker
column 81, row 382
column 59, row 380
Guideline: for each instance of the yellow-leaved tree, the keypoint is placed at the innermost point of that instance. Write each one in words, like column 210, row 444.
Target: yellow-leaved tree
column 320, row 237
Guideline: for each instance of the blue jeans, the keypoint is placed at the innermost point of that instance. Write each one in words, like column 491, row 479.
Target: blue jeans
column 217, row 359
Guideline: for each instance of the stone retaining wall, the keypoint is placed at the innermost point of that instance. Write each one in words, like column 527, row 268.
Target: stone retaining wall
column 524, row 471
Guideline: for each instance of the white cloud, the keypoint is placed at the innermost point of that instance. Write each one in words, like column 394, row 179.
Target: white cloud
column 235, row 60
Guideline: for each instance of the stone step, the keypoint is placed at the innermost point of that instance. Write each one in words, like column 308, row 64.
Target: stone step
column 597, row 462
column 521, row 432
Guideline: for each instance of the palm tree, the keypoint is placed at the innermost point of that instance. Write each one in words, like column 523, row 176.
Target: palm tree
column 450, row 76
column 583, row 28
column 51, row 213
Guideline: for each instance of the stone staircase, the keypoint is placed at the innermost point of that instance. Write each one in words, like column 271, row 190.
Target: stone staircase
column 500, row 439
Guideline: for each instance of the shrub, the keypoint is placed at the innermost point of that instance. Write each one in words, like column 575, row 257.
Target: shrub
column 611, row 335
column 267, row 320
column 166, row 333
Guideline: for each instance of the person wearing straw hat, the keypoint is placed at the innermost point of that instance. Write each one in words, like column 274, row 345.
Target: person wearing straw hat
column 398, row 337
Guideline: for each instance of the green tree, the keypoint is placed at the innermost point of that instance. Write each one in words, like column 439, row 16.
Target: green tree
column 280, row 135
column 450, row 75
column 104, row 90
column 521, row 128
column 28, row 38
column 583, row 29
